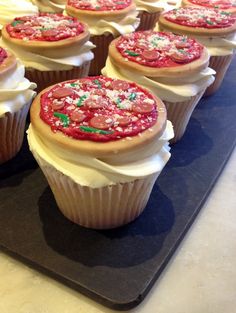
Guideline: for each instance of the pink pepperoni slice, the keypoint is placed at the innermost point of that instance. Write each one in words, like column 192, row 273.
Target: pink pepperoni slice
column 20, row 27
column 141, row 45
column 124, row 120
column 49, row 33
column 101, row 122
column 142, row 107
column 99, row 92
column 179, row 57
column 119, row 85
column 95, row 103
column 29, row 31
column 62, row 92
column 35, row 23
column 72, row 25
column 25, row 18
column 182, row 45
column 57, row 105
column 150, row 55
column 181, row 18
column 77, row 116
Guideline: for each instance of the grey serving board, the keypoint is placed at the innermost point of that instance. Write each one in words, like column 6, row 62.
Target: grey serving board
column 118, row 267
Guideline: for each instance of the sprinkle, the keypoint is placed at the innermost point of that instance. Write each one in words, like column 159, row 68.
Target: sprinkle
column 63, row 117
column 81, row 99
column 132, row 96
column 131, row 53
column 95, row 130
column 16, row 23
column 97, row 82
column 209, row 22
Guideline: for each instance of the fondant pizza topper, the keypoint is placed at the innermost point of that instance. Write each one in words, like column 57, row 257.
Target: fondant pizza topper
column 216, row 4
column 158, row 49
column 200, row 17
column 44, row 27
column 98, row 109
column 99, row 5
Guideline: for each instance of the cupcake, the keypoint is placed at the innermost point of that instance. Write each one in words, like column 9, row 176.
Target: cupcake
column 171, row 66
column 51, row 6
column 149, row 12
column 9, row 9
column 225, row 5
column 16, row 94
column 53, row 47
column 101, row 144
column 213, row 28
column 107, row 19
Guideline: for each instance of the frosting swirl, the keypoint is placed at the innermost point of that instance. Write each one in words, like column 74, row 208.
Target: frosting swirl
column 52, row 6
column 15, row 89
column 151, row 158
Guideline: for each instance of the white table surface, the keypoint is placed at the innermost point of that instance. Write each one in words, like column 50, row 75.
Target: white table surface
column 200, row 278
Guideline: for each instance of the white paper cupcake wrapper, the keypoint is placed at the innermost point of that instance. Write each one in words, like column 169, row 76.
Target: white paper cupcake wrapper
column 99, row 208
column 220, row 64
column 12, row 126
column 179, row 114
column 44, row 79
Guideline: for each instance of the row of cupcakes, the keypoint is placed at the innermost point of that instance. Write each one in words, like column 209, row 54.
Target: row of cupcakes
column 171, row 66
column 136, row 122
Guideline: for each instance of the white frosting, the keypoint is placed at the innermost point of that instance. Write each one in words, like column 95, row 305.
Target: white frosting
column 15, row 90
column 88, row 171
column 73, row 57
column 9, row 9
column 169, row 89
column 52, row 6
column 219, row 46
column 216, row 46
column 116, row 27
column 152, row 6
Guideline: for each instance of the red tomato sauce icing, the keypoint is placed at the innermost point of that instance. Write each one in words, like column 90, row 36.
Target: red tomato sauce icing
column 45, row 27
column 158, row 49
column 99, row 5
column 3, row 55
column 98, row 109
column 200, row 17
column 216, row 4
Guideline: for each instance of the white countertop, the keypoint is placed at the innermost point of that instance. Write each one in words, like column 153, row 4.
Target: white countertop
column 200, row 278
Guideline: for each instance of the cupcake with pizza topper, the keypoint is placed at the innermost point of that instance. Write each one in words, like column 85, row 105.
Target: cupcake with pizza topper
column 107, row 19
column 53, row 47
column 213, row 28
column 50, row 6
column 13, row 8
column 224, row 5
column 173, row 67
column 16, row 94
column 101, row 144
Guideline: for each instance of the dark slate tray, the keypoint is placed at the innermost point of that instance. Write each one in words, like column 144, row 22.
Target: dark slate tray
column 119, row 267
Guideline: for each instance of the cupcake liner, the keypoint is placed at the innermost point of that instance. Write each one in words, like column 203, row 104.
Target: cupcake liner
column 100, row 53
column 148, row 20
column 12, row 127
column 98, row 208
column 220, row 64
column 43, row 79
column 179, row 114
